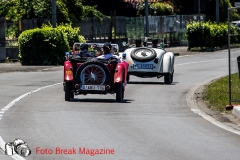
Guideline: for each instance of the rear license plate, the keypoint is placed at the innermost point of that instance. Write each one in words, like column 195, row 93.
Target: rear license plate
column 93, row 87
column 143, row 66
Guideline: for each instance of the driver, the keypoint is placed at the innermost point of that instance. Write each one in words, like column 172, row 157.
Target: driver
column 138, row 42
column 107, row 52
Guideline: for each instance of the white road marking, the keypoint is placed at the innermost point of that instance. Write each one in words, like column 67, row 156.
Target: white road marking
column 201, row 62
column 194, row 107
column 2, row 142
column 1, row 112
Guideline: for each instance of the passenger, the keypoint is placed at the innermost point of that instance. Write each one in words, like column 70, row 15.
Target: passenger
column 107, row 52
column 84, row 51
column 155, row 43
column 138, row 42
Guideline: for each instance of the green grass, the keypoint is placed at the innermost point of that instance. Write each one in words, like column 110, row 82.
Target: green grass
column 216, row 94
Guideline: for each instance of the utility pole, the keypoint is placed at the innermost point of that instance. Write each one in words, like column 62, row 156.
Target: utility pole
column 54, row 15
column 146, row 18
column 199, row 10
column 217, row 11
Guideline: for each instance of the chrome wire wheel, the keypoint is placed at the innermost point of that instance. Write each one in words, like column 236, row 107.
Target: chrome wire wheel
column 93, row 75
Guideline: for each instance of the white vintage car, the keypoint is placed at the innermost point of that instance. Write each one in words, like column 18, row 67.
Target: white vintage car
column 150, row 62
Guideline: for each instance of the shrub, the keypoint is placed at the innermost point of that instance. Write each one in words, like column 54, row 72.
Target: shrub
column 161, row 8
column 156, row 9
column 42, row 47
column 71, row 34
column 210, row 34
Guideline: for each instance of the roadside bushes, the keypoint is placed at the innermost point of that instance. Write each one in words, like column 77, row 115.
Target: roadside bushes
column 210, row 35
column 47, row 45
column 71, row 34
column 42, row 47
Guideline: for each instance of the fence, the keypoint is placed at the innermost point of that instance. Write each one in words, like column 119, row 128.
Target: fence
column 171, row 28
column 118, row 28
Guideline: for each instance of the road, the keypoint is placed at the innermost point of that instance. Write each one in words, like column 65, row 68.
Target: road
column 154, row 121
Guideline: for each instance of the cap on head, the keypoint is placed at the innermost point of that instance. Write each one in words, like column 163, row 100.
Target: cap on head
column 155, row 41
column 84, row 46
column 107, row 45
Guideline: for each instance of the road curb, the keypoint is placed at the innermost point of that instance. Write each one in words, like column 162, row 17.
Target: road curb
column 192, row 102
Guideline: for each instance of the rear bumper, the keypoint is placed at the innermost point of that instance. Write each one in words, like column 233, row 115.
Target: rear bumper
column 142, row 74
column 85, row 92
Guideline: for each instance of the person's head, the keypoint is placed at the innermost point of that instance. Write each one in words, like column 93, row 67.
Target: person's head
column 84, row 46
column 107, row 48
column 77, row 47
column 138, row 42
column 154, row 42
column 145, row 44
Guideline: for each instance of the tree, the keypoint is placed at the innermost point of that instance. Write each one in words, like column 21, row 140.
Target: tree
column 120, row 7
column 67, row 10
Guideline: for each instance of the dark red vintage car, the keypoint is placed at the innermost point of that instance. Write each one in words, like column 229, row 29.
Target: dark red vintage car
column 90, row 75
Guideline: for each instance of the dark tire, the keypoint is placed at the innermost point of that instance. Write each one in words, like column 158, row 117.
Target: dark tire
column 128, row 77
column 151, row 54
column 119, row 92
column 168, row 78
column 99, row 70
column 72, row 95
column 172, row 76
column 68, row 87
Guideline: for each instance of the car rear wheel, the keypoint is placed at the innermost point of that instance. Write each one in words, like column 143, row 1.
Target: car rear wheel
column 168, row 78
column 119, row 92
column 92, row 73
column 68, row 93
column 128, row 77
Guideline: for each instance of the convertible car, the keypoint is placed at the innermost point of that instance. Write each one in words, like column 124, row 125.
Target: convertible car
column 150, row 62
column 89, row 75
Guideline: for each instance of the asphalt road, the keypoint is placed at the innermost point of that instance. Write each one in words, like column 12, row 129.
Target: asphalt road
column 154, row 122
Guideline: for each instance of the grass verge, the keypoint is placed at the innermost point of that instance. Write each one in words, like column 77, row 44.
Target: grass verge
column 216, row 94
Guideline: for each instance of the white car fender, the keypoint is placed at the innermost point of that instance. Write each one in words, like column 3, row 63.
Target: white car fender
column 168, row 61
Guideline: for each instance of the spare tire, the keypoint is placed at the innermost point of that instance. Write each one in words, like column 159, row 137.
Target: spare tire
column 143, row 54
column 92, row 73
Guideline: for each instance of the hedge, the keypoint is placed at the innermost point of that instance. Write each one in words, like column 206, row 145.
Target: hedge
column 47, row 46
column 42, row 47
column 72, row 34
column 210, row 34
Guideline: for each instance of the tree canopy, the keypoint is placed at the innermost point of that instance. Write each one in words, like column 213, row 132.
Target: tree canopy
column 67, row 10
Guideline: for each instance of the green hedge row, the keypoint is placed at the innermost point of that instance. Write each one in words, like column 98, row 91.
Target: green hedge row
column 210, row 34
column 47, row 45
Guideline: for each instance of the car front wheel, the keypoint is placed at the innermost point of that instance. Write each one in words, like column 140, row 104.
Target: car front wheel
column 68, row 94
column 119, row 92
column 168, row 78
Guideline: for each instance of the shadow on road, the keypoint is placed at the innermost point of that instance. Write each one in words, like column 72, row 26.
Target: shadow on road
column 152, row 83
column 100, row 100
